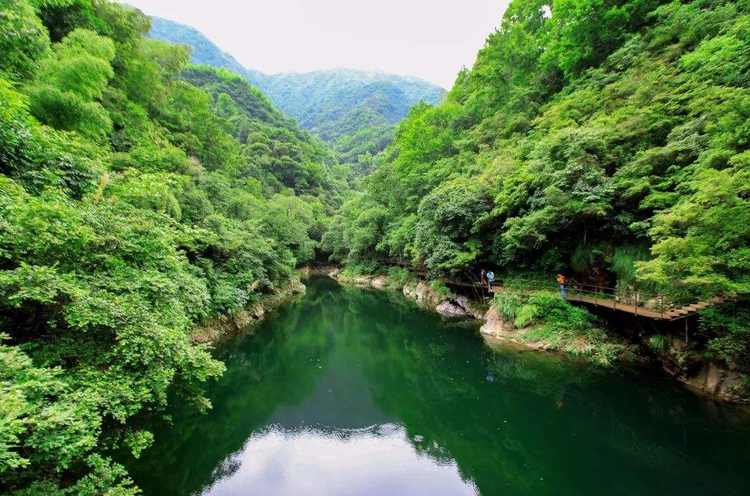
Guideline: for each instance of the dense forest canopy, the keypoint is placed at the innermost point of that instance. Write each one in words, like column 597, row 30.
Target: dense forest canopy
column 139, row 196
column 604, row 138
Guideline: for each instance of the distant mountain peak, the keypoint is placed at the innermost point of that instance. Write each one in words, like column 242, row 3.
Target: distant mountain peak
column 204, row 51
column 353, row 110
column 300, row 94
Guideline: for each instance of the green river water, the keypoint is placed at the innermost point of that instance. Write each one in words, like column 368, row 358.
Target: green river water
column 353, row 392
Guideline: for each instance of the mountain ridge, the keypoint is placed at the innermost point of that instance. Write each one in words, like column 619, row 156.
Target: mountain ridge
column 162, row 28
column 341, row 106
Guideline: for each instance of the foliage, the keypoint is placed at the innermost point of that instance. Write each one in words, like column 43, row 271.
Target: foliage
column 546, row 318
column 398, row 277
column 702, row 241
column 727, row 334
column 23, row 39
column 624, row 262
column 337, row 103
column 606, row 139
column 440, row 289
column 657, row 343
column 138, row 197
column 508, row 303
column 569, row 328
column 557, row 312
column 527, row 314
column 447, row 216
column 359, row 269
column 277, row 151
column 70, row 83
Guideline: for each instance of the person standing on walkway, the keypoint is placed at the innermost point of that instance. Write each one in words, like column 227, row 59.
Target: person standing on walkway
column 490, row 280
column 561, row 281
column 483, row 277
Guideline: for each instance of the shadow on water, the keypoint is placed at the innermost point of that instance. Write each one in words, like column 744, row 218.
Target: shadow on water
column 356, row 392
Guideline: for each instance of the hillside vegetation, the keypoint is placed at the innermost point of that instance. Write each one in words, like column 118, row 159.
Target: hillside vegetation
column 139, row 196
column 353, row 111
column 604, row 138
column 324, row 100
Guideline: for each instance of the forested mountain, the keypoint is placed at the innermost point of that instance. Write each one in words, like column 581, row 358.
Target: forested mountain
column 202, row 50
column 354, row 111
column 606, row 139
column 324, row 101
column 139, row 196
column 290, row 157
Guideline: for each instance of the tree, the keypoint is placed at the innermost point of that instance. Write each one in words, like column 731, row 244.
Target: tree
column 71, row 82
column 23, row 39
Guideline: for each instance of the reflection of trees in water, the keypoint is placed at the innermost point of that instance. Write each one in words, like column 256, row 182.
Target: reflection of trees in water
column 519, row 420
column 508, row 419
column 265, row 371
column 228, row 467
column 277, row 367
column 432, row 379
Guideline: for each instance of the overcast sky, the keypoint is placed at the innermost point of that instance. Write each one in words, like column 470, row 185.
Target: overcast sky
column 431, row 39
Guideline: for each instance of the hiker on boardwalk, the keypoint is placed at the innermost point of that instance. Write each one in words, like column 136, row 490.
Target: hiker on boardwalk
column 490, row 280
column 483, row 277
column 561, row 281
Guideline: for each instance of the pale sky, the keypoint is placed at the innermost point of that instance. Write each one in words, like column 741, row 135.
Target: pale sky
column 430, row 39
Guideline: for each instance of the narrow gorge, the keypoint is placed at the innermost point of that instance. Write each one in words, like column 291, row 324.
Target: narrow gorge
column 379, row 249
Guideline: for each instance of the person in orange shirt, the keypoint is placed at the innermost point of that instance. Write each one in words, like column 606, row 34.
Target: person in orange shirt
column 561, row 280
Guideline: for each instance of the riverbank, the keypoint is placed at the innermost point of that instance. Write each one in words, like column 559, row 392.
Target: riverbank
column 432, row 295
column 695, row 370
column 580, row 338
column 226, row 326
column 548, row 324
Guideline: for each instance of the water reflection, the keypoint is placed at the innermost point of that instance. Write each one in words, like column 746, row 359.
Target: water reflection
column 313, row 462
column 352, row 392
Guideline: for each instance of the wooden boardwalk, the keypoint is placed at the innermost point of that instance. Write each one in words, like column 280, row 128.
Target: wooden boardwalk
column 665, row 313
column 621, row 307
column 634, row 302
column 660, row 310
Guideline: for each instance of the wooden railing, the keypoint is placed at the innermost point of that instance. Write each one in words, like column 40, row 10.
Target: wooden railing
column 630, row 300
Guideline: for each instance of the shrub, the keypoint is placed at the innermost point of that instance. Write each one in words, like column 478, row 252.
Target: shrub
column 560, row 314
column 567, row 328
column 526, row 315
column 508, row 303
column 440, row 288
column 624, row 261
column 363, row 268
column 399, row 276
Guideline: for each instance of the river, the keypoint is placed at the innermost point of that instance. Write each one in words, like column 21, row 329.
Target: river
column 354, row 392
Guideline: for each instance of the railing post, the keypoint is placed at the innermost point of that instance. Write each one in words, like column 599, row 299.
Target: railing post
column 661, row 305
